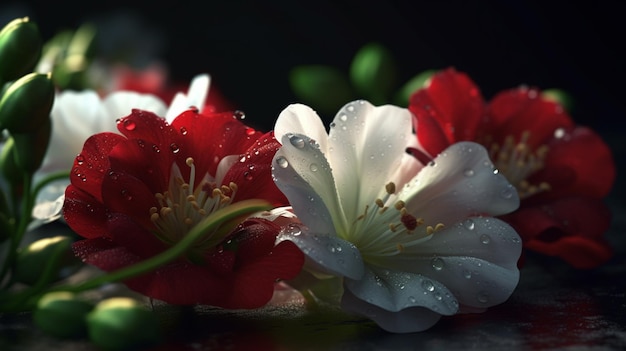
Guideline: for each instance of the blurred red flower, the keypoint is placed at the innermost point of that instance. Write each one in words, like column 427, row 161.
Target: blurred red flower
column 561, row 170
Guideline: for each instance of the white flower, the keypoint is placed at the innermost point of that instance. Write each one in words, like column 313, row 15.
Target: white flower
column 77, row 115
column 412, row 242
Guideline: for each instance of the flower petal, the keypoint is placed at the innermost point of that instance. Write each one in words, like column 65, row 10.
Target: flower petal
column 396, row 290
column 460, row 182
column 408, row 320
column 311, row 193
column 301, row 119
column 328, row 253
column 195, row 97
column 367, row 145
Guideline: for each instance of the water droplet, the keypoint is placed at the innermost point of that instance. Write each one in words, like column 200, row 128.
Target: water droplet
column 482, row 297
column 343, row 127
column 507, row 192
column 411, row 299
column 183, row 130
column 437, row 263
column 113, row 175
column 294, row 229
column 129, row 125
column 282, row 162
column 175, row 149
column 141, row 143
column 496, row 171
column 343, row 118
column 248, row 175
column 296, row 141
column 485, row 239
column 126, row 195
column 401, row 286
column 155, row 148
column 469, row 224
column 333, row 124
column 80, row 159
column 313, row 167
column 239, row 115
column 559, row 133
column 468, row 172
column 250, row 131
column 437, row 296
column 467, row 274
column 428, row 285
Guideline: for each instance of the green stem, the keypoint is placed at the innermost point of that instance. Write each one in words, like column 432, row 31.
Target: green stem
column 227, row 217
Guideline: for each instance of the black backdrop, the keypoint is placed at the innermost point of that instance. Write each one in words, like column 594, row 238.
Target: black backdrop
column 249, row 47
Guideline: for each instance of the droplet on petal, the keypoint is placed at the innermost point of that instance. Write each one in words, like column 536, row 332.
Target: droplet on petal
column 485, row 239
column 468, row 172
column 297, row 141
column 175, row 149
column 469, row 224
column 80, row 159
column 313, row 167
column 282, row 162
column 239, row 115
column 129, row 125
column 428, row 285
column 155, row 148
column 437, row 263
column 183, row 131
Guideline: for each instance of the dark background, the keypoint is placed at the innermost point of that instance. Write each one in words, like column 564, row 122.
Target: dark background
column 249, row 47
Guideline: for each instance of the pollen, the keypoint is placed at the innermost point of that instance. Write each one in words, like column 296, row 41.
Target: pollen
column 517, row 161
column 186, row 202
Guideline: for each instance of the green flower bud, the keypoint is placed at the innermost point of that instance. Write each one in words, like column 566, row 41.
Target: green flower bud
column 373, row 72
column 62, row 314
column 324, row 87
column 32, row 260
column 8, row 166
column 122, row 323
column 27, row 102
column 30, row 148
column 20, row 48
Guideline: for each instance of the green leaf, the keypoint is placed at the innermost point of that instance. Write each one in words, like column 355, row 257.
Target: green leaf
column 411, row 86
column 325, row 88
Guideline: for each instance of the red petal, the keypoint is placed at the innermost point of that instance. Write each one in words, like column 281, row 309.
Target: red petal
column 84, row 214
column 514, row 111
column 253, row 176
column 578, row 163
column 454, row 101
column 552, row 228
column 126, row 194
column 92, row 163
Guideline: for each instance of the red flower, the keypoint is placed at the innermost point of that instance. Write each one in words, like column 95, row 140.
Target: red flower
column 134, row 195
column 562, row 171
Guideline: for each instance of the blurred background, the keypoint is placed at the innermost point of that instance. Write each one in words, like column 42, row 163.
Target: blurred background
column 250, row 47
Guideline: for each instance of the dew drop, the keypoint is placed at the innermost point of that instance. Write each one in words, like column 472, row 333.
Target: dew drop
column 482, row 297
column 333, row 124
column 239, row 115
column 401, row 286
column 129, row 125
column 468, row 172
column 141, row 143
column 174, row 147
column 296, row 141
column 80, row 159
column 485, row 239
column 113, row 175
column 313, row 167
column 437, row 263
column 250, row 131
column 282, row 162
column 559, row 133
column 428, row 285
column 507, row 192
column 126, row 195
column 411, row 299
column 343, row 118
column 183, row 130
column 469, row 224
column 155, row 148
column 437, row 296
column 294, row 229
column 248, row 175
column 467, row 274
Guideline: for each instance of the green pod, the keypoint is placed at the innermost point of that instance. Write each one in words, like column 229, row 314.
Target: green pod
column 32, row 260
column 8, row 166
column 30, row 148
column 122, row 323
column 20, row 48
column 27, row 102
column 373, row 73
column 62, row 314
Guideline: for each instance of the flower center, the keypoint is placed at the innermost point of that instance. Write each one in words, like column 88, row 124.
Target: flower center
column 386, row 228
column 186, row 203
column 516, row 161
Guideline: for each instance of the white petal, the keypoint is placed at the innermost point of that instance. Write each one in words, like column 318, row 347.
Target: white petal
column 397, row 290
column 367, row 145
column 330, row 254
column 461, row 182
column 476, row 260
column 196, row 97
column 222, row 168
column 121, row 103
column 409, row 320
column 301, row 119
column 311, row 193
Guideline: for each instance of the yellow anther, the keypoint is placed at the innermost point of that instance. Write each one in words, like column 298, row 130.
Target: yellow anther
column 390, row 188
